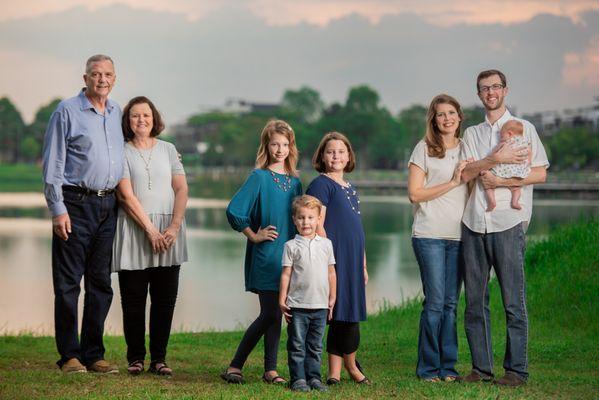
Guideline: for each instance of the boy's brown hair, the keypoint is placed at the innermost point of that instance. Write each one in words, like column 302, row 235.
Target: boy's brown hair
column 305, row 201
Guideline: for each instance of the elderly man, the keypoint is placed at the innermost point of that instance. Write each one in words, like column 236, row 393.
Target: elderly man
column 82, row 160
column 496, row 238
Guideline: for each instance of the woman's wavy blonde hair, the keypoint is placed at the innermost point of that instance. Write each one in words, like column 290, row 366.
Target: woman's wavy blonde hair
column 433, row 139
column 263, row 159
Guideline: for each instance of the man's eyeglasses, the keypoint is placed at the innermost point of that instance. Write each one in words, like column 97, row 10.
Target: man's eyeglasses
column 487, row 89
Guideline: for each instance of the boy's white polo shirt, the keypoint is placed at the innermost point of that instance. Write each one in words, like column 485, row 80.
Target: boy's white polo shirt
column 309, row 260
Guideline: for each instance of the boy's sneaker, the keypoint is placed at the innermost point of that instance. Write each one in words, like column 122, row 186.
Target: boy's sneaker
column 300, row 386
column 316, row 384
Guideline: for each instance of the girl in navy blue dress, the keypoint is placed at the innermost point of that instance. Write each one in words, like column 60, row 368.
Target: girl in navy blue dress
column 341, row 223
column 261, row 210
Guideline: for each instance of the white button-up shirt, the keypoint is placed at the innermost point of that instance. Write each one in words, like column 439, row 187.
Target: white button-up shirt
column 479, row 142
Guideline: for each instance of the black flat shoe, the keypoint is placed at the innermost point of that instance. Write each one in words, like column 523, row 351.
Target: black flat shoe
column 333, row 381
column 364, row 381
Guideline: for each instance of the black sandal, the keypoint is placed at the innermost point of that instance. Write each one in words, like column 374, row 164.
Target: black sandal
column 273, row 380
column 135, row 367
column 160, row 368
column 232, row 377
column 333, row 381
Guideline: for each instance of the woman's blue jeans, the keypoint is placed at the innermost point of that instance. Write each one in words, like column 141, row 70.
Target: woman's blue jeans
column 440, row 271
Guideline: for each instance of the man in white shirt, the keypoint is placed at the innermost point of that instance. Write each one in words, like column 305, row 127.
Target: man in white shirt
column 497, row 238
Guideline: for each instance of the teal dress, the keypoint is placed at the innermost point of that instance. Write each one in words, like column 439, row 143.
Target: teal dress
column 264, row 199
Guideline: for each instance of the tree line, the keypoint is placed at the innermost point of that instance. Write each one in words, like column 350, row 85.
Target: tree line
column 381, row 139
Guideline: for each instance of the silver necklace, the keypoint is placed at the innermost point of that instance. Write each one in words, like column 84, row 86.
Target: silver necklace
column 147, row 164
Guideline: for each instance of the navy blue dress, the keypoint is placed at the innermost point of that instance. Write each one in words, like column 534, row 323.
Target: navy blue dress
column 344, row 228
column 264, row 199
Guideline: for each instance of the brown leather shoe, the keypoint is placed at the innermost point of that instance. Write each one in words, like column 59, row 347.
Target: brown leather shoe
column 103, row 367
column 73, row 366
column 474, row 377
column 510, row 379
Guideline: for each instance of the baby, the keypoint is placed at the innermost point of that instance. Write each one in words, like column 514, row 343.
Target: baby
column 512, row 134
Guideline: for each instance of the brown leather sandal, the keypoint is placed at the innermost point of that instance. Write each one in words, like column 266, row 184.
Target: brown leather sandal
column 135, row 367
column 160, row 368
column 273, row 380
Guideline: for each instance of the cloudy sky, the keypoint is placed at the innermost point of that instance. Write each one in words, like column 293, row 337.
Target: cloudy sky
column 189, row 55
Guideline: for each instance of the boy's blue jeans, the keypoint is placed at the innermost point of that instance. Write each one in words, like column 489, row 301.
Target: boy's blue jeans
column 304, row 344
column 440, row 271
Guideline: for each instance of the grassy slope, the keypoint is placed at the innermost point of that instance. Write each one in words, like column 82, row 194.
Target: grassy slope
column 563, row 302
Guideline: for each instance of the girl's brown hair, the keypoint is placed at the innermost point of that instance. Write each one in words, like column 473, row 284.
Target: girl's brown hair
column 433, row 139
column 263, row 159
column 317, row 159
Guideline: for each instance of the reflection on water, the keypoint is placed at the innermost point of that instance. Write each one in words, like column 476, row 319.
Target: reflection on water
column 211, row 292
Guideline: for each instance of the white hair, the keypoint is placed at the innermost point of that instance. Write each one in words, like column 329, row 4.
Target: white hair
column 94, row 59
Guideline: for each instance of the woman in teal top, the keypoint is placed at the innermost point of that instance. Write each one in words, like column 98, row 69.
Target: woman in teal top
column 261, row 210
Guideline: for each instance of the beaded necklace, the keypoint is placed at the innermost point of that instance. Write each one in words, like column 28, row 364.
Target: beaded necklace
column 282, row 183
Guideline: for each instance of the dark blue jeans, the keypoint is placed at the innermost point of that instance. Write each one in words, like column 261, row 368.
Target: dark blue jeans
column 504, row 251
column 304, row 344
column 87, row 254
column 440, row 271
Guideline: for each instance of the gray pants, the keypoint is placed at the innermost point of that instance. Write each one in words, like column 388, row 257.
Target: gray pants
column 504, row 251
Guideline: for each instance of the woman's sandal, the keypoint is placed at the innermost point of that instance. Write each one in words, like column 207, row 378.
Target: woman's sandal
column 333, row 381
column 232, row 377
column 160, row 368
column 273, row 380
column 135, row 367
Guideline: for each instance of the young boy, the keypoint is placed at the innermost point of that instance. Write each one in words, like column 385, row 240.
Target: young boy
column 511, row 134
column 307, row 294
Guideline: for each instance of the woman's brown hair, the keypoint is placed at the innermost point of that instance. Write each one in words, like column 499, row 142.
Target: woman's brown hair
column 281, row 127
column 317, row 159
column 157, row 124
column 433, row 139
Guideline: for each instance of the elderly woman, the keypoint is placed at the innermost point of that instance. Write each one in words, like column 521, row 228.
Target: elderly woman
column 439, row 197
column 149, row 245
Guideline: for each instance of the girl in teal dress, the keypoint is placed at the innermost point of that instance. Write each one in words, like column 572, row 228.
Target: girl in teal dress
column 261, row 210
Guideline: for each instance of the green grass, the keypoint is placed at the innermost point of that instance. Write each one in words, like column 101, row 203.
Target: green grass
column 563, row 304
column 20, row 178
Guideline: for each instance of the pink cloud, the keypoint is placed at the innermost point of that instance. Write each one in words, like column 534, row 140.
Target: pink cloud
column 582, row 69
column 321, row 12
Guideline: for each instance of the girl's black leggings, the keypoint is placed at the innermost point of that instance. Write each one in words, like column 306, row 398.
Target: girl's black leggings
column 268, row 324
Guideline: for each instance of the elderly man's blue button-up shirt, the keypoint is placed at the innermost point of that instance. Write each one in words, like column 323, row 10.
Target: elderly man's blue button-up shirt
column 82, row 147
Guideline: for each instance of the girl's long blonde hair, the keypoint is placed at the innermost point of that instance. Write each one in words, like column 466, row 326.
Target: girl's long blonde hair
column 281, row 127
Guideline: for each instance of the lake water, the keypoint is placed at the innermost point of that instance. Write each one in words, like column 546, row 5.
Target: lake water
column 211, row 294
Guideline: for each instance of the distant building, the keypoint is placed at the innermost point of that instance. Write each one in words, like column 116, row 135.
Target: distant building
column 240, row 106
column 549, row 122
column 193, row 139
